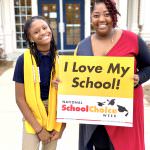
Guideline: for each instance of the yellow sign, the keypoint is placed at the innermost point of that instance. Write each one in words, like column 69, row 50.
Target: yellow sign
column 96, row 76
column 96, row 90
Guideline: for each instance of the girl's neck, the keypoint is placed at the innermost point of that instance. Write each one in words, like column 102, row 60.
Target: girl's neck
column 44, row 49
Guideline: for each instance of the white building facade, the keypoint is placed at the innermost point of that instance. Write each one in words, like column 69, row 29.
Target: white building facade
column 70, row 20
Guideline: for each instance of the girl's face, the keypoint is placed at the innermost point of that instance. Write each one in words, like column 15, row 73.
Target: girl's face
column 101, row 19
column 40, row 33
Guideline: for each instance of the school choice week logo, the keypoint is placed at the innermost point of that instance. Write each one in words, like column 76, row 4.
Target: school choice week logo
column 107, row 107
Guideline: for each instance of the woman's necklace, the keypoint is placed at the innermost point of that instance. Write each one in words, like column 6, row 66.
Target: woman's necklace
column 106, row 41
column 113, row 36
column 112, row 42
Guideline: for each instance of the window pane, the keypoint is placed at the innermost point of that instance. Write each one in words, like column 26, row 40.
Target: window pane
column 19, row 45
column 73, row 13
column 22, row 2
column 18, row 36
column 17, row 19
column 28, row 17
column 16, row 10
column 18, row 29
column 73, row 23
column 29, row 11
column 73, row 35
column 23, row 19
column 22, row 28
column 28, row 2
column 23, row 12
column 16, row 2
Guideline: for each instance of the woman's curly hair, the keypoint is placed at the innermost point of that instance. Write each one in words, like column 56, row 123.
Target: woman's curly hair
column 111, row 6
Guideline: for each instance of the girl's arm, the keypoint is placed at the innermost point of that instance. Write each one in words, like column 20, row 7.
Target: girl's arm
column 27, row 113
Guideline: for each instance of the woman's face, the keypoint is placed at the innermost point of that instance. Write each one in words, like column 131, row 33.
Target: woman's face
column 40, row 33
column 101, row 19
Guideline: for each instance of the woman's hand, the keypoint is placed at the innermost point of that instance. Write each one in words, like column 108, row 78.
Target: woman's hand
column 57, row 135
column 136, row 79
column 44, row 136
column 55, row 83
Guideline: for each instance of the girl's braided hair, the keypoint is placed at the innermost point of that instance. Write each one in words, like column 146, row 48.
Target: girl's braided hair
column 33, row 46
column 111, row 6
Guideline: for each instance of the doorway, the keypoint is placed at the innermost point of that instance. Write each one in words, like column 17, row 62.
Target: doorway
column 66, row 18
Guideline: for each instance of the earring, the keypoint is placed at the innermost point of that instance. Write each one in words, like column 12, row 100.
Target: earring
column 32, row 43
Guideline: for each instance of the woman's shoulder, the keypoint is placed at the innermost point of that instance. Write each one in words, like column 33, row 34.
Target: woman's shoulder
column 129, row 33
column 130, row 38
column 84, row 47
column 85, row 41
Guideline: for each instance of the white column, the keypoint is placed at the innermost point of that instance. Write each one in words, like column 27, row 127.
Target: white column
column 8, row 25
column 34, row 7
column 133, row 15
column 122, row 8
column 1, row 26
column 61, row 25
column 87, row 18
column 1, row 14
column 13, row 25
column 144, row 19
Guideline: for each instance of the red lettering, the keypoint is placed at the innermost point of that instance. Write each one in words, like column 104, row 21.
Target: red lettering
column 63, row 107
column 73, row 108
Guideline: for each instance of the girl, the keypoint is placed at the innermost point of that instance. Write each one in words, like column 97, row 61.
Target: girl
column 35, row 92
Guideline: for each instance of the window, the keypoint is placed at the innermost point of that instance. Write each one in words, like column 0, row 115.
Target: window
column 23, row 11
column 73, row 23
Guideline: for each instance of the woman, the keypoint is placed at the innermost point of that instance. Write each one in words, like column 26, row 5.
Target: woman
column 109, row 41
column 35, row 93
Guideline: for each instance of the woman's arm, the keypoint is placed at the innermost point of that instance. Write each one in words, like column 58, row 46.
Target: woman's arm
column 143, row 62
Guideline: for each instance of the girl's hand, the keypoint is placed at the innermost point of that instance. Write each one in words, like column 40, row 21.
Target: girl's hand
column 136, row 79
column 57, row 135
column 55, row 83
column 44, row 136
